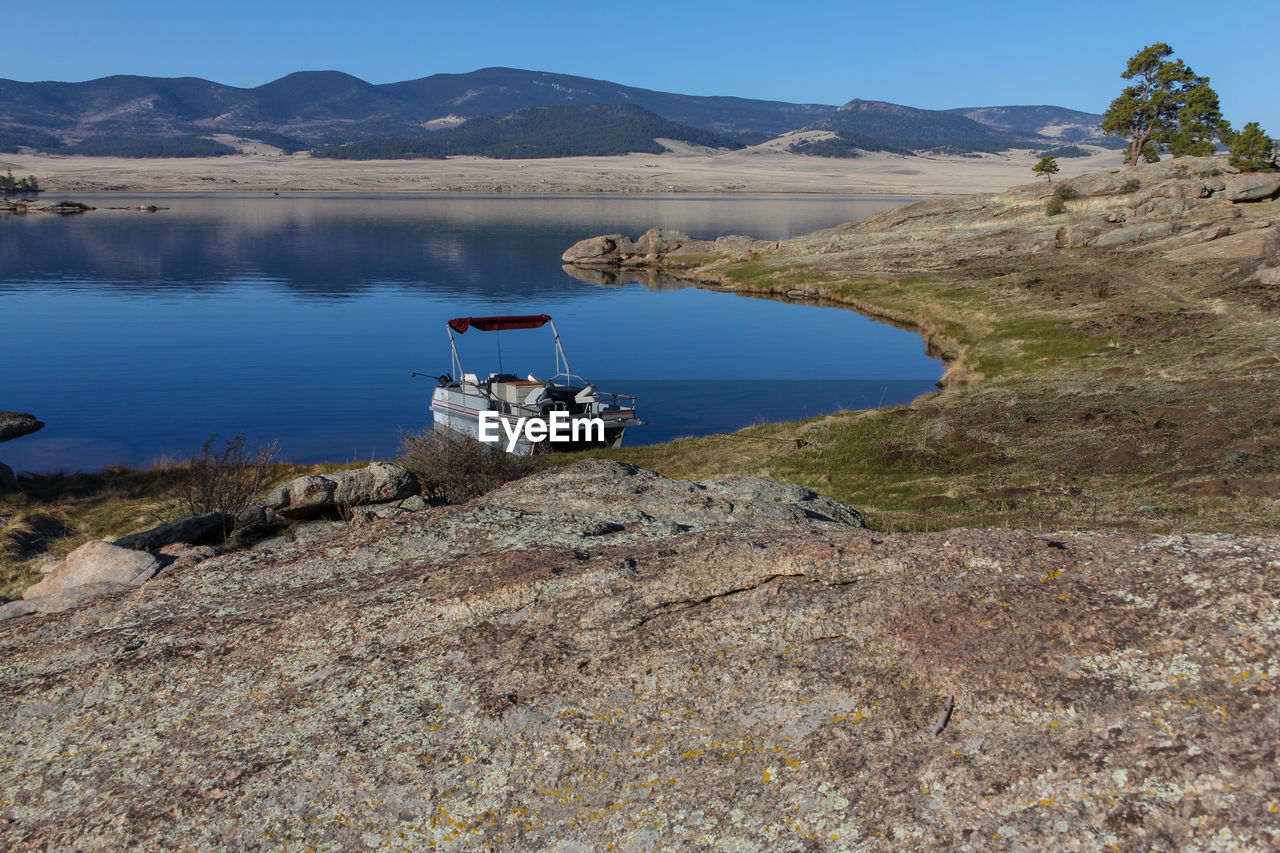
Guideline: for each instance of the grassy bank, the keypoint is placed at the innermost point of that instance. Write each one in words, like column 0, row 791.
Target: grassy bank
column 1087, row 387
column 52, row 514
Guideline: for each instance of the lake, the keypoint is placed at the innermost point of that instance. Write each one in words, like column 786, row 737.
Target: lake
column 136, row 335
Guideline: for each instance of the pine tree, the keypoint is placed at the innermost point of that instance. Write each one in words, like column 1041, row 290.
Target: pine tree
column 1252, row 150
column 1199, row 121
column 1167, row 104
column 1048, row 166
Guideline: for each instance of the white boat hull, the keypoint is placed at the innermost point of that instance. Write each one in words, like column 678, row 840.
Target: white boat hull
column 459, row 411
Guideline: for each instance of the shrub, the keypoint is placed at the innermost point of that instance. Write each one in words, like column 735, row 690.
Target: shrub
column 455, row 468
column 1067, row 151
column 1252, row 150
column 227, row 480
column 1055, row 205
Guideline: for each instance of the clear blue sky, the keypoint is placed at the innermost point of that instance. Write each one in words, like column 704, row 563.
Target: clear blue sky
column 926, row 54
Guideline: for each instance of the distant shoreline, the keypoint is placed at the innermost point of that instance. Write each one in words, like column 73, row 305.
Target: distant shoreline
column 692, row 171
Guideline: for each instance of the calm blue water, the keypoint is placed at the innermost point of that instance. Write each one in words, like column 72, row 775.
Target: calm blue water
column 137, row 335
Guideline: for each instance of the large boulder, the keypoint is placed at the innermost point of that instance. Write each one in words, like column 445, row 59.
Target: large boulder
column 1259, row 243
column 316, row 494
column 8, row 482
column 1177, row 188
column 655, row 246
column 381, row 482
column 1100, row 183
column 16, row 424
column 96, row 563
column 193, row 530
column 1253, row 186
column 310, row 494
column 658, row 241
column 1133, row 234
column 601, row 249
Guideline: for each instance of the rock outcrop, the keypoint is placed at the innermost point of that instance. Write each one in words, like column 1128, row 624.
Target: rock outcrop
column 16, row 424
column 96, row 562
column 316, row 494
column 1182, row 198
column 22, row 205
column 664, row 246
column 193, row 530
column 1253, row 186
column 92, row 570
column 599, row 656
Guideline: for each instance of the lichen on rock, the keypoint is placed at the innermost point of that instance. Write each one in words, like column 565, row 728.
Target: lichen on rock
column 599, row 655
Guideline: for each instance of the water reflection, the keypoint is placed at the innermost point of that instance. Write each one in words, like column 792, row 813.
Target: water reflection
column 135, row 335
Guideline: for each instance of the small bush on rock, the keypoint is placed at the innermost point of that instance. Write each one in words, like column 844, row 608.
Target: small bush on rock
column 1058, row 203
column 227, row 480
column 454, row 468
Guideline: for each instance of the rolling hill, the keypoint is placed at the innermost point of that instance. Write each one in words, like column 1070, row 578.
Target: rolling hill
column 541, row 131
column 881, row 126
column 314, row 109
column 1057, row 123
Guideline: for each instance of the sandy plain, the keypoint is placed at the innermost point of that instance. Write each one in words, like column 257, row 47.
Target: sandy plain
column 760, row 169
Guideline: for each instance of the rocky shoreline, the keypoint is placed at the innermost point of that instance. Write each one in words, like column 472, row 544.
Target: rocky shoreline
column 1139, row 206
column 23, row 205
column 1111, row 361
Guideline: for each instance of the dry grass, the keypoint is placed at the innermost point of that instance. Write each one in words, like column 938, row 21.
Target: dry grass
column 454, row 468
column 52, row 514
column 1094, row 389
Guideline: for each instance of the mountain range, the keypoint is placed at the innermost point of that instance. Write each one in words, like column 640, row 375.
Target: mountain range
column 314, row 109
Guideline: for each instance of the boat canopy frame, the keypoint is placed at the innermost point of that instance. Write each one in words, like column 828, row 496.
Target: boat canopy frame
column 505, row 323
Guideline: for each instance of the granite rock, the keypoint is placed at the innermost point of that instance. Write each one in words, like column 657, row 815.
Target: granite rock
column 598, row 655
column 1253, row 186
column 195, row 529
column 96, row 563
column 317, row 494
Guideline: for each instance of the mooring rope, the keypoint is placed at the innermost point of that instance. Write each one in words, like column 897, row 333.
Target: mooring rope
column 798, row 442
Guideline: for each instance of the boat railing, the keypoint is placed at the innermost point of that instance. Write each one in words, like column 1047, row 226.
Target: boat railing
column 565, row 380
column 622, row 402
column 607, row 403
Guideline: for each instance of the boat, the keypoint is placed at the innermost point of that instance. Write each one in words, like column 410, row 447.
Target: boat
column 523, row 416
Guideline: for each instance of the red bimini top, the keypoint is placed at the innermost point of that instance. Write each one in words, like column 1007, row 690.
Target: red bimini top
column 499, row 324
